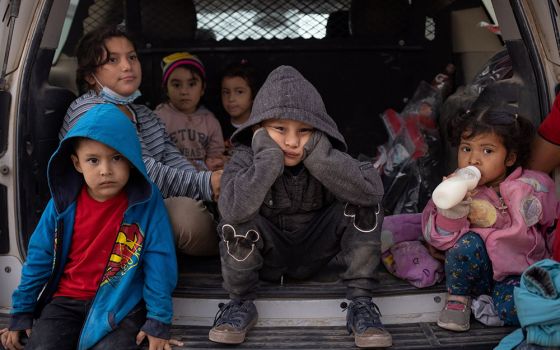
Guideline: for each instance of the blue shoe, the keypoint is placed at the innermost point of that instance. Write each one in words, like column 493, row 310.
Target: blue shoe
column 363, row 319
column 233, row 321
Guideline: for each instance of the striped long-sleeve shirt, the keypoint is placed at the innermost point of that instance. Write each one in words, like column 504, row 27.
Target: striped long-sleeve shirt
column 170, row 171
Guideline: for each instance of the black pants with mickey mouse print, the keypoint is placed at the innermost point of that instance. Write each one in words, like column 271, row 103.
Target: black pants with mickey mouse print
column 259, row 249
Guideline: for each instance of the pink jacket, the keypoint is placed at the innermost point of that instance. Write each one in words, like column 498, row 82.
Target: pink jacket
column 514, row 227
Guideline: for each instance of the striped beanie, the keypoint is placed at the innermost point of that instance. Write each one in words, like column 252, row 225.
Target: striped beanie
column 177, row 59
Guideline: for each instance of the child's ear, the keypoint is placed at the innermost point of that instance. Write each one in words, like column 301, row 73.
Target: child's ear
column 511, row 158
column 90, row 79
column 76, row 163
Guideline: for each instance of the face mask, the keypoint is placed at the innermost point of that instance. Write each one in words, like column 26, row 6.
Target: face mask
column 110, row 96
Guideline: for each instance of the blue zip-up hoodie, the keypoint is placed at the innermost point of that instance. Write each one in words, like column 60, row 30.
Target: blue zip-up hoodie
column 150, row 274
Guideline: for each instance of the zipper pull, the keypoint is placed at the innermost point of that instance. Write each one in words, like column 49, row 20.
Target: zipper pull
column 503, row 205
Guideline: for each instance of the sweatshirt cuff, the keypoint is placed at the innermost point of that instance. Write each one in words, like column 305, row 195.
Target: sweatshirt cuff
column 262, row 141
column 450, row 225
column 157, row 329
column 20, row 322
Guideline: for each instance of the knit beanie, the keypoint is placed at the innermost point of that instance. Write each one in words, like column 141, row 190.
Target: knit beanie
column 286, row 94
column 170, row 62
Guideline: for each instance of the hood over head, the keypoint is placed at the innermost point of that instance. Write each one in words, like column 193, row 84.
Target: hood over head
column 106, row 124
column 286, row 94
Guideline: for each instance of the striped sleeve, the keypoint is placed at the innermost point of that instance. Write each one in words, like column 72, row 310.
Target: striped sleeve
column 77, row 108
column 167, row 168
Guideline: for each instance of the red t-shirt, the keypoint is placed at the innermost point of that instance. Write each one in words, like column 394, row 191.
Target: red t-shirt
column 550, row 131
column 96, row 226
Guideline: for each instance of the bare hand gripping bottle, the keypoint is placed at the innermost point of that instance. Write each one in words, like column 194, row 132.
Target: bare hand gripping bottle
column 453, row 190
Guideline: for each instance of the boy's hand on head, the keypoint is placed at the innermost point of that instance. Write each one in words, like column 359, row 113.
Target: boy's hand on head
column 156, row 343
column 316, row 151
column 11, row 339
column 262, row 141
column 312, row 142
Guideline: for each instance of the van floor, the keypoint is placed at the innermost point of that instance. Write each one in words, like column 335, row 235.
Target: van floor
column 413, row 336
column 200, row 279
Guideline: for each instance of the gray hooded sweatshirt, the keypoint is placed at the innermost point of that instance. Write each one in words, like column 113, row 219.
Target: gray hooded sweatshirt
column 255, row 180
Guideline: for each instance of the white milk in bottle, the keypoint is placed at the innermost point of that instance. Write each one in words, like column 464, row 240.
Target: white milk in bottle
column 453, row 190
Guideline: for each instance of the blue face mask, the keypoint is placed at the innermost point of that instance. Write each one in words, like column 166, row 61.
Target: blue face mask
column 110, row 96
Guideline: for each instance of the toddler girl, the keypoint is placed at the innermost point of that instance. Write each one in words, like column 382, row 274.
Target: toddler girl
column 501, row 227
column 194, row 129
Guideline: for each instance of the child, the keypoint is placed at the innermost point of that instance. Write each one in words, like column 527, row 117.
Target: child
column 291, row 200
column 238, row 92
column 110, row 72
column 100, row 247
column 502, row 226
column 193, row 128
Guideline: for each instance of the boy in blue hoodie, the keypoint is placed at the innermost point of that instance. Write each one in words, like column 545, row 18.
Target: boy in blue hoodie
column 101, row 263
column 291, row 199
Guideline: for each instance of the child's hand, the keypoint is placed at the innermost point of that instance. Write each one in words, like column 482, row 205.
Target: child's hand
column 262, row 141
column 459, row 211
column 214, row 163
column 215, row 179
column 311, row 143
column 157, row 343
column 10, row 339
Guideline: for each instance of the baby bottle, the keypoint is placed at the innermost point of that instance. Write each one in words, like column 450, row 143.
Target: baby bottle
column 453, row 190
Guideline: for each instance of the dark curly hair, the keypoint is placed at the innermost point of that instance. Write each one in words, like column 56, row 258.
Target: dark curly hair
column 244, row 70
column 515, row 131
column 92, row 52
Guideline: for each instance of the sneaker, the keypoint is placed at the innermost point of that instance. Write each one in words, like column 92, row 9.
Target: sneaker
column 363, row 319
column 233, row 321
column 455, row 316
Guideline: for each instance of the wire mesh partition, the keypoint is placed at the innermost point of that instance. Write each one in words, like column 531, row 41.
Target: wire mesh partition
column 159, row 23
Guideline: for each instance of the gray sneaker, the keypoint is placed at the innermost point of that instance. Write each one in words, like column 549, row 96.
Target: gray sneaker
column 232, row 322
column 363, row 319
column 455, row 316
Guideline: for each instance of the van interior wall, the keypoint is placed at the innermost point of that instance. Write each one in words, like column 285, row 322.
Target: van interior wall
column 41, row 116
